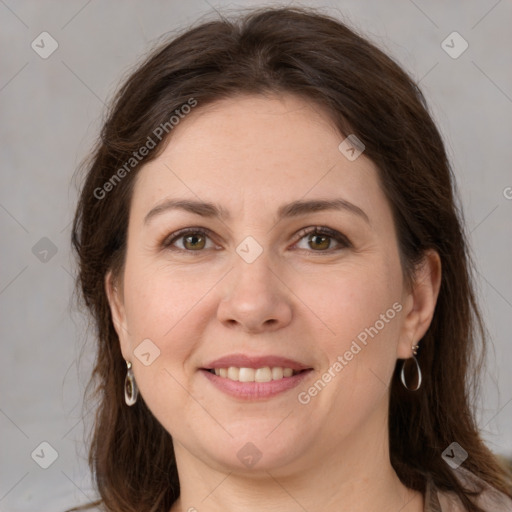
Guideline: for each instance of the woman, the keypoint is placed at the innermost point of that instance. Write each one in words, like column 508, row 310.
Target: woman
column 270, row 248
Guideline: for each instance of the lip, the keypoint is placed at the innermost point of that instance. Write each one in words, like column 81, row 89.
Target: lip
column 255, row 390
column 255, row 362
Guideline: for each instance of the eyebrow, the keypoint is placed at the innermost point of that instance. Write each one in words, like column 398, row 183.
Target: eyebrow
column 293, row 209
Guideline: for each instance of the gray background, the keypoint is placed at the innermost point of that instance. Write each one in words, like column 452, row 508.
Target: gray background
column 51, row 111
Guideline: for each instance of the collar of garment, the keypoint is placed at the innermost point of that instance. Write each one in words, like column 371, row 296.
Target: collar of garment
column 489, row 500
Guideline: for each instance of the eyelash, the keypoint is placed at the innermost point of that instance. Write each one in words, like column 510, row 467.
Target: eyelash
column 312, row 230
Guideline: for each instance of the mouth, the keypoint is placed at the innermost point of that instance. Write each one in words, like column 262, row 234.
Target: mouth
column 264, row 374
column 255, row 377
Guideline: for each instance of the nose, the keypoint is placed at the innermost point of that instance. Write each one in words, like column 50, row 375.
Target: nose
column 255, row 299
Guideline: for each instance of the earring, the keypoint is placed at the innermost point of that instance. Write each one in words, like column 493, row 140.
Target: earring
column 130, row 386
column 418, row 370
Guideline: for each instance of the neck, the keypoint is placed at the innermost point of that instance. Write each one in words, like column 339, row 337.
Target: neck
column 355, row 476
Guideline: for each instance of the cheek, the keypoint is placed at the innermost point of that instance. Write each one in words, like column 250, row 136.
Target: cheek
column 363, row 314
column 159, row 299
column 162, row 306
column 158, row 306
column 171, row 308
column 363, row 311
column 352, row 301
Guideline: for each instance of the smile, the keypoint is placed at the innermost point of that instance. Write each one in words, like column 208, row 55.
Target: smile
column 265, row 374
column 254, row 377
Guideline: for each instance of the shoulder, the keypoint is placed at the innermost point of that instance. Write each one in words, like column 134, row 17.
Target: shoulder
column 489, row 500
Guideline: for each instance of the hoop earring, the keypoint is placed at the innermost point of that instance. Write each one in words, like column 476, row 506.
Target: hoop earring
column 130, row 386
column 418, row 370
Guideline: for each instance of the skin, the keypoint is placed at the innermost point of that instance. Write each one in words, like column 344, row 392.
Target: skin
column 304, row 298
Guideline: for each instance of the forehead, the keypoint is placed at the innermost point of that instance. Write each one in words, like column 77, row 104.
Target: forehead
column 254, row 150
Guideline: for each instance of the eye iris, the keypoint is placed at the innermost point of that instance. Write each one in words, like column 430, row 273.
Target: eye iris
column 194, row 242
column 321, row 241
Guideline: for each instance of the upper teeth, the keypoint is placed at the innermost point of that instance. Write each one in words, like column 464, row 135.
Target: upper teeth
column 265, row 374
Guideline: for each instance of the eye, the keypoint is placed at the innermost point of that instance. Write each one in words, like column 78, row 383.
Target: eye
column 321, row 239
column 189, row 240
column 317, row 238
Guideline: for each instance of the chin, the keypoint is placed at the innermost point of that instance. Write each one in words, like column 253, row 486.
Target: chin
column 258, row 451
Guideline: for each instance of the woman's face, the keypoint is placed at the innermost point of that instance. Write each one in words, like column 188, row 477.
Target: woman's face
column 251, row 282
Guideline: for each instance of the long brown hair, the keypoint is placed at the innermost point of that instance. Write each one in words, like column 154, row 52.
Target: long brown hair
column 302, row 52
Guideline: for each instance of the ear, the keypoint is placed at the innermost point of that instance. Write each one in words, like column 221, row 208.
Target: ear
column 419, row 303
column 117, row 310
